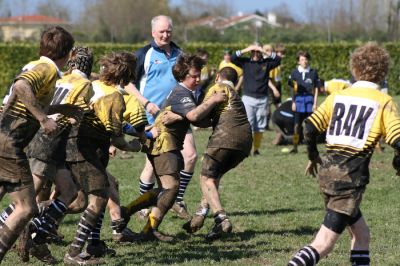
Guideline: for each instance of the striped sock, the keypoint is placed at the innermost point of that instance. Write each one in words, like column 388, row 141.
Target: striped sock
column 94, row 237
column 359, row 258
column 5, row 213
column 145, row 187
column 307, row 256
column 46, row 224
column 184, row 179
column 86, row 224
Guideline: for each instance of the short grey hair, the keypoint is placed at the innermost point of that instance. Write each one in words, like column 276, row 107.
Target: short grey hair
column 157, row 18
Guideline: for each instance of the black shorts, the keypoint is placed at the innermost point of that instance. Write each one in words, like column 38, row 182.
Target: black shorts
column 217, row 161
column 168, row 163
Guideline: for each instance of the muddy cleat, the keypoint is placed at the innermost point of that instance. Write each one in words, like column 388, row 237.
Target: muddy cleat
column 194, row 224
column 24, row 244
column 225, row 226
column 100, row 250
column 42, row 253
column 125, row 236
column 82, row 259
column 180, row 209
column 153, row 235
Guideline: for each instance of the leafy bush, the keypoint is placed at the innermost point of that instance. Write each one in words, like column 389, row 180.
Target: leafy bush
column 331, row 60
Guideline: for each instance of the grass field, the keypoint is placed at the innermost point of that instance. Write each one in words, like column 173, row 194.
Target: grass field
column 274, row 207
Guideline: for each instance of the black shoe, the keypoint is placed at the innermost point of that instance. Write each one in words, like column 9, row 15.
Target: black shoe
column 42, row 253
column 100, row 250
column 256, row 153
column 225, row 226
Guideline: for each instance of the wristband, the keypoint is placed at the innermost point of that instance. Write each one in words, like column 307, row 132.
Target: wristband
column 147, row 103
column 148, row 134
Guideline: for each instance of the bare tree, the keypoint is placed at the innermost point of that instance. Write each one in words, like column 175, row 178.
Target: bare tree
column 54, row 8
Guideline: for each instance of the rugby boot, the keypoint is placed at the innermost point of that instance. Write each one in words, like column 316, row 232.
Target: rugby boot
column 221, row 225
column 82, row 259
column 180, row 209
column 42, row 253
column 125, row 236
column 100, row 249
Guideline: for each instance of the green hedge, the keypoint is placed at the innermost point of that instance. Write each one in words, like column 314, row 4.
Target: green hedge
column 330, row 60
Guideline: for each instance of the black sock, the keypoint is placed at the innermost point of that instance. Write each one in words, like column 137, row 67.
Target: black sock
column 94, row 237
column 307, row 256
column 86, row 224
column 184, row 179
column 5, row 213
column 145, row 187
column 46, row 224
column 359, row 257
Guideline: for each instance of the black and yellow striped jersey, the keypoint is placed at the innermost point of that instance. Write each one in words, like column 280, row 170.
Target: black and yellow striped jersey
column 355, row 119
column 73, row 88
column 17, row 124
column 108, row 108
column 135, row 113
column 275, row 75
column 41, row 75
column 231, row 128
column 336, row 85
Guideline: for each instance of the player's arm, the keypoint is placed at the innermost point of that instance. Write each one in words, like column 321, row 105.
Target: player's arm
column 120, row 142
column 150, row 107
column 239, row 83
column 310, row 138
column 201, row 111
column 273, row 88
column 25, row 94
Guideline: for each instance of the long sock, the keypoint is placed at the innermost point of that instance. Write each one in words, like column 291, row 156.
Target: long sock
column 47, row 223
column 184, row 179
column 257, row 138
column 7, row 239
column 86, row 224
column 94, row 237
column 117, row 226
column 145, row 187
column 307, row 256
column 152, row 223
column 5, row 213
column 359, row 257
column 146, row 200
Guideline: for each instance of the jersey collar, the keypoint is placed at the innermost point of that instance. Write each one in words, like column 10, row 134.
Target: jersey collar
column 229, row 83
column 77, row 71
column 365, row 84
column 45, row 58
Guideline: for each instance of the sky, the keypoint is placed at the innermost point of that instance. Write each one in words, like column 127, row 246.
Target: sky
column 19, row 7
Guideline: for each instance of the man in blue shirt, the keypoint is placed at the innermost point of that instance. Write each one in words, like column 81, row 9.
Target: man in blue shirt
column 154, row 82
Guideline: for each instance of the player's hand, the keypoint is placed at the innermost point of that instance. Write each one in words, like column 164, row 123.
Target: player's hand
column 152, row 108
column 155, row 131
column 49, row 126
column 293, row 106
column 219, row 97
column 312, row 166
column 169, row 118
column 112, row 151
column 276, row 93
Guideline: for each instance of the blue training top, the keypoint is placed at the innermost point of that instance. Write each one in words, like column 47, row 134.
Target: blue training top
column 154, row 76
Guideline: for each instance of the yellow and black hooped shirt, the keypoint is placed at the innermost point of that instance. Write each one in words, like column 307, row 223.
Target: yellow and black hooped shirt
column 135, row 113
column 74, row 88
column 17, row 125
column 354, row 120
column 231, row 128
column 108, row 108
